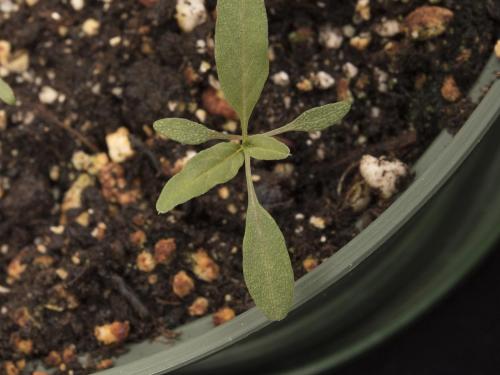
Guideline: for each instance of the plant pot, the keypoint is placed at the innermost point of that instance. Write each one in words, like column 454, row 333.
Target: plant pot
column 408, row 258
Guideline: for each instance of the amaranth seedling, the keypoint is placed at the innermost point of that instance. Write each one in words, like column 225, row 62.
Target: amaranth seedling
column 241, row 48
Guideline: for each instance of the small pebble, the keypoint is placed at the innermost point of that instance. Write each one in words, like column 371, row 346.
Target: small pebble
column 450, row 90
column 323, row 80
column 305, row 85
column 281, row 79
column 205, row 267
column 224, row 192
column 330, row 38
column 223, row 315
column 115, row 41
column 497, row 49
column 190, row 14
column 383, row 175
column 310, row 264
column 91, row 27
column 317, row 222
column 18, row 62
column 428, row 22
column 113, row 333
column 388, row 28
column 165, row 250
column 349, row 31
column 182, row 284
column 363, row 9
column 361, row 42
column 146, row 262
column 201, row 115
column 350, row 70
column 48, row 95
column 77, row 4
column 199, row 307
column 119, row 146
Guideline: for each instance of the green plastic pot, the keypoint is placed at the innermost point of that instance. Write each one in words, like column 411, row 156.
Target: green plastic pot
column 407, row 259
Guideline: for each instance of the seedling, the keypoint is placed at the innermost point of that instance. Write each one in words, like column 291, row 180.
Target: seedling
column 6, row 93
column 241, row 48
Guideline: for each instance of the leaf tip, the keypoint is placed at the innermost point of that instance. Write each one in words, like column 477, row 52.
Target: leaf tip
column 161, row 209
column 156, row 125
column 11, row 100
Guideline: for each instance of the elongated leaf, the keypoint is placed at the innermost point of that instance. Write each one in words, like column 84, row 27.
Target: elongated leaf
column 316, row 119
column 185, row 131
column 6, row 93
column 209, row 168
column 241, row 43
column 266, row 264
column 261, row 147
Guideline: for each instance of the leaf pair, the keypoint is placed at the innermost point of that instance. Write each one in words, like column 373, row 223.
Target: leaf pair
column 6, row 93
column 214, row 166
column 241, row 47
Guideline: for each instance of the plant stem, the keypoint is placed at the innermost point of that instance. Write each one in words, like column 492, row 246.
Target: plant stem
column 252, row 196
column 244, row 129
column 272, row 133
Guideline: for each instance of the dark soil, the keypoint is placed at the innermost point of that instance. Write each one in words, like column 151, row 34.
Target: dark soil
column 63, row 274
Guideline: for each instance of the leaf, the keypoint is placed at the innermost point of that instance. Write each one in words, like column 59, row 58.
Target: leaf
column 241, row 44
column 316, row 119
column 6, row 93
column 262, row 147
column 185, row 131
column 266, row 264
column 209, row 168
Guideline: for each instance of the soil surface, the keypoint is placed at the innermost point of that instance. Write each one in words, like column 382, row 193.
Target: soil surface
column 83, row 268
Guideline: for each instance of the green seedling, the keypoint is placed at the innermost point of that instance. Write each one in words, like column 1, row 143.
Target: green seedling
column 241, row 48
column 6, row 93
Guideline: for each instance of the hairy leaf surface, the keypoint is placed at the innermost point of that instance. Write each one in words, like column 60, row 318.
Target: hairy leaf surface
column 185, row 131
column 209, row 168
column 261, row 147
column 316, row 119
column 241, row 44
column 266, row 264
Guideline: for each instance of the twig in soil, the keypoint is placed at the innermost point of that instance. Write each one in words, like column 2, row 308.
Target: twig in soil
column 348, row 170
column 150, row 155
column 122, row 287
column 47, row 115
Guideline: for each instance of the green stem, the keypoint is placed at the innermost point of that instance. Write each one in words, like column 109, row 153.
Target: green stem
column 252, row 196
column 244, row 129
column 272, row 133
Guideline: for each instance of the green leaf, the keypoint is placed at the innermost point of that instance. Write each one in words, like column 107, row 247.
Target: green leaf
column 185, row 131
column 241, row 44
column 316, row 119
column 262, row 147
column 209, row 168
column 266, row 264
column 6, row 93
